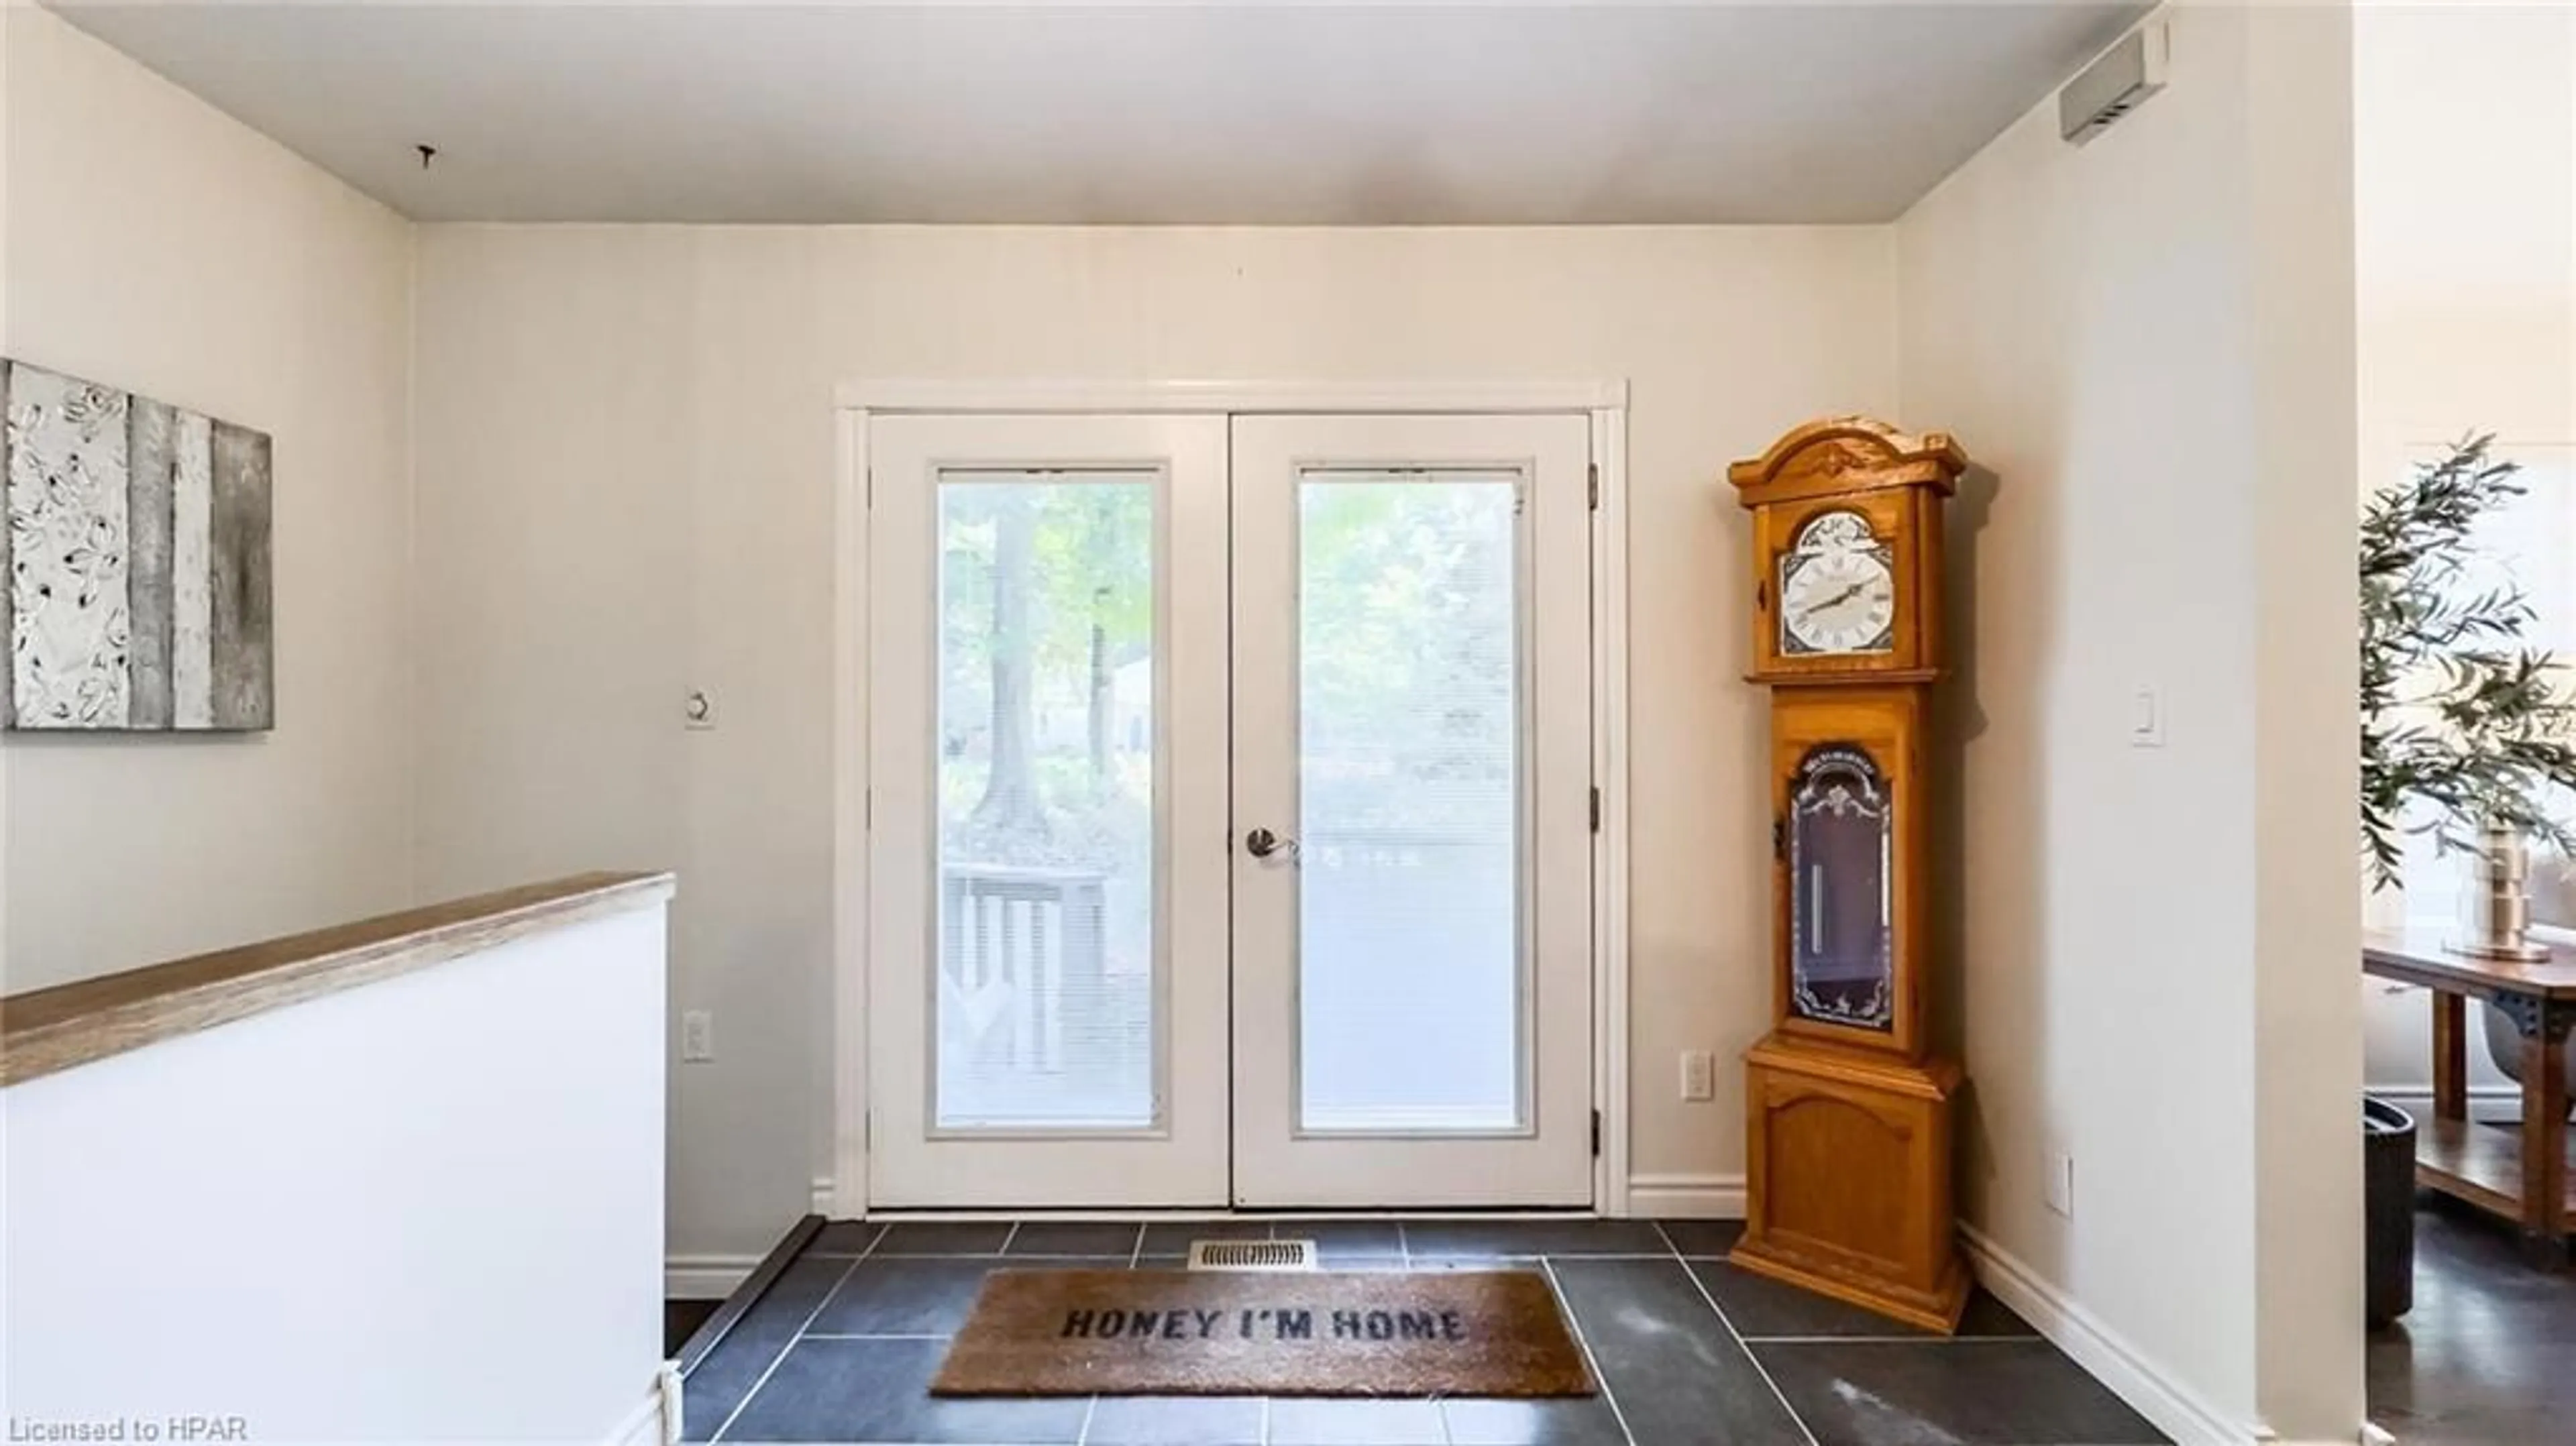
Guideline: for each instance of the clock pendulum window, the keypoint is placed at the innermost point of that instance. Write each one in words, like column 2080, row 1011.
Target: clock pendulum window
column 1848, row 1110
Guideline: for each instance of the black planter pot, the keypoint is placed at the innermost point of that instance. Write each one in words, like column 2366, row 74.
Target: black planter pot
column 2388, row 1210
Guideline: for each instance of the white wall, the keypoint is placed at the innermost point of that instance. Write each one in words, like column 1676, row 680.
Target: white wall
column 317, row 1220
column 626, row 473
column 2465, row 201
column 154, row 244
column 2147, row 350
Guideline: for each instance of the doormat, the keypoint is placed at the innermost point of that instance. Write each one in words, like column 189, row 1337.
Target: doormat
column 1207, row 1333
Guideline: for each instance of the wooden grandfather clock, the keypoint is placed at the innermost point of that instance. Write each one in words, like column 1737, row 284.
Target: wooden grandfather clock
column 1848, row 1112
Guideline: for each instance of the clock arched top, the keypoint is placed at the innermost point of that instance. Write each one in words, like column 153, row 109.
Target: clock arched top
column 1837, row 455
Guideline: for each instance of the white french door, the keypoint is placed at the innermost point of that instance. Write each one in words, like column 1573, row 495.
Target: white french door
column 1047, row 861
column 1228, row 833
column 1412, row 729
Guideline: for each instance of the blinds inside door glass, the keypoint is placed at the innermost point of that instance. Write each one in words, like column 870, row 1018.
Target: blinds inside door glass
column 1411, row 811
column 1046, row 989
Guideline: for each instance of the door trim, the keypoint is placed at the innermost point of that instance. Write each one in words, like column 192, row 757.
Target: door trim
column 894, row 394
column 1604, row 401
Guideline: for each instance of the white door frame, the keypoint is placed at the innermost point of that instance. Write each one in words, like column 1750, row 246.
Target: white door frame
column 843, row 1194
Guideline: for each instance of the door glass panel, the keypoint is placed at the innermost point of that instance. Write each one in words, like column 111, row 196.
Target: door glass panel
column 1046, row 990
column 1410, row 967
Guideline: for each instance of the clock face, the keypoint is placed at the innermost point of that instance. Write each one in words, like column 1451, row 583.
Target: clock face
column 1837, row 589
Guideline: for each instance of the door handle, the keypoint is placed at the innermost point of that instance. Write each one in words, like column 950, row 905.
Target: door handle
column 1261, row 843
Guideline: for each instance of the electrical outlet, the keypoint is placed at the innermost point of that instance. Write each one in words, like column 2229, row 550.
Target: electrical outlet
column 2061, row 1183
column 1699, row 1075
column 697, row 1037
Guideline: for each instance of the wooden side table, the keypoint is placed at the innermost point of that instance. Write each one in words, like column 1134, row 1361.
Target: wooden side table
column 2518, row 1174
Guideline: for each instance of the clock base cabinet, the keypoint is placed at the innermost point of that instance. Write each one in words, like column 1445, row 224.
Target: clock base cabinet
column 1849, row 1157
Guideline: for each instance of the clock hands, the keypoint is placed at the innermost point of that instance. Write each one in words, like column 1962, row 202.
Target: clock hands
column 1838, row 599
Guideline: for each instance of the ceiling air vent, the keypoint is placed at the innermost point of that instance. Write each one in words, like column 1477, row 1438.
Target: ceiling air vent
column 2114, row 85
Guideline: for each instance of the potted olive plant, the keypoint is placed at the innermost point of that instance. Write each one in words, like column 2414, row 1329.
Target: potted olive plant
column 2457, row 714
column 2476, row 730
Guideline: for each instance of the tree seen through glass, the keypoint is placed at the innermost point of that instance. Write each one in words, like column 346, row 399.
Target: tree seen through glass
column 1409, row 739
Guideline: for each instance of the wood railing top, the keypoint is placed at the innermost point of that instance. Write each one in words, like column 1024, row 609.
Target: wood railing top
column 47, row 1030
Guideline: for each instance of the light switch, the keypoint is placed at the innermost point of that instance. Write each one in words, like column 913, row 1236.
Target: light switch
column 2146, row 717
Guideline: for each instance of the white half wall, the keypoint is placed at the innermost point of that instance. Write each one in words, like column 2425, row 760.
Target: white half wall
column 155, row 244
column 422, row 1209
column 2145, row 344
column 627, row 478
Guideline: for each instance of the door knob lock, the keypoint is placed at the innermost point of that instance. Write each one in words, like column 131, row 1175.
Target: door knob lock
column 1261, row 843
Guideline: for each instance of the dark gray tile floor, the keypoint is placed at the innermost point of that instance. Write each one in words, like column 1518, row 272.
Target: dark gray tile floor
column 2484, row 1355
column 1690, row 1350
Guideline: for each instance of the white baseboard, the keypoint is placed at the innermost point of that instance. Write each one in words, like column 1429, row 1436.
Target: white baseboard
column 671, row 1387
column 2423, row 1094
column 1650, row 1197
column 2173, row 1408
column 1686, row 1197
column 705, row 1277
column 655, row 1421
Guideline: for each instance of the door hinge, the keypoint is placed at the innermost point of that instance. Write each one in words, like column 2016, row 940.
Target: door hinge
column 1596, row 810
column 1596, row 1134
column 1592, row 485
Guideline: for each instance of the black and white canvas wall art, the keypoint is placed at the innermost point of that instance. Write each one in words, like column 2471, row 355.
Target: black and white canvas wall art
column 137, row 559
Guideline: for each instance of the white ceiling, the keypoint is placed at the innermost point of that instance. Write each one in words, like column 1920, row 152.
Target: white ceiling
column 724, row 111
